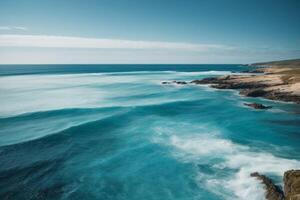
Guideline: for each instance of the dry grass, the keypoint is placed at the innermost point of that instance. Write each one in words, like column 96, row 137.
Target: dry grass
column 288, row 69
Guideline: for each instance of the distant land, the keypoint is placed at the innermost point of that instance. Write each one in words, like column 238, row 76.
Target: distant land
column 282, row 63
column 289, row 70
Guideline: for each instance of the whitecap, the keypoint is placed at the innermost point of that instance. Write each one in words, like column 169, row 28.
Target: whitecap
column 240, row 159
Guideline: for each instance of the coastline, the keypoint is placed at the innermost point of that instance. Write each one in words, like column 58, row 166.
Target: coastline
column 275, row 81
column 278, row 81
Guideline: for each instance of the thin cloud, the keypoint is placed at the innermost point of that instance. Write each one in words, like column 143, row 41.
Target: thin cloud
column 10, row 28
column 100, row 43
column 5, row 28
column 22, row 28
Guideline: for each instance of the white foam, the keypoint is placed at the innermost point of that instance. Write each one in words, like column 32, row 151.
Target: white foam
column 33, row 93
column 232, row 156
column 205, row 73
column 201, row 146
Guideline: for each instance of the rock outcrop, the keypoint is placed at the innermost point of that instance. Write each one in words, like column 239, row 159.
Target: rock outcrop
column 291, row 182
column 255, row 86
column 174, row 82
column 273, row 192
column 278, row 80
column 254, row 71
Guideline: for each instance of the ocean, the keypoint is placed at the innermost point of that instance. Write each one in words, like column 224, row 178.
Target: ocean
column 114, row 132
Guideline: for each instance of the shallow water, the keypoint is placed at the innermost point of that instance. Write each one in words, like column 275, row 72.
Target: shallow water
column 114, row 132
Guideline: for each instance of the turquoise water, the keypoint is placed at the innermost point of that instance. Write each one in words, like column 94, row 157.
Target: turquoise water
column 114, row 132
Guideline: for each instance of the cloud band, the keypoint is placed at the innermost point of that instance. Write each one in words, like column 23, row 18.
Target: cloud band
column 98, row 43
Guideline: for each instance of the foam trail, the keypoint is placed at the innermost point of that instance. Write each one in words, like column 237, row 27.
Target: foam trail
column 232, row 157
column 34, row 93
column 206, row 73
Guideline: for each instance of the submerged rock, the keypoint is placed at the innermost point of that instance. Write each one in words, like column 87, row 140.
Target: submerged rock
column 257, row 105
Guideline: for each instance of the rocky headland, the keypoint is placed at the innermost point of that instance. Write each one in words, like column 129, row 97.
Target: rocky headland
column 278, row 80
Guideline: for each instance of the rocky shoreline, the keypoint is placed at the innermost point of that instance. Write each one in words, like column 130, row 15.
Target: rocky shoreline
column 266, row 86
column 275, row 81
column 291, row 190
column 279, row 81
column 254, row 88
column 247, row 86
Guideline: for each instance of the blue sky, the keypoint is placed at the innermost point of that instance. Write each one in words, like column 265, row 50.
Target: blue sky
column 148, row 31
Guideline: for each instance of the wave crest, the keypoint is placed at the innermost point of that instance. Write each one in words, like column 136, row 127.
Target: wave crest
column 222, row 155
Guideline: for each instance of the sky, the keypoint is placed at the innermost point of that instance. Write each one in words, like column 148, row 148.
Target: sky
column 148, row 31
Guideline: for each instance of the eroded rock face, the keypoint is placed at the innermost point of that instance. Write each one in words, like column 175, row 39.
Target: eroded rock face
column 291, row 181
column 207, row 81
column 254, row 92
column 273, row 192
column 253, row 71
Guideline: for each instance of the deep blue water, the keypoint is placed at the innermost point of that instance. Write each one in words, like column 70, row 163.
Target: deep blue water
column 74, row 69
column 114, row 132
